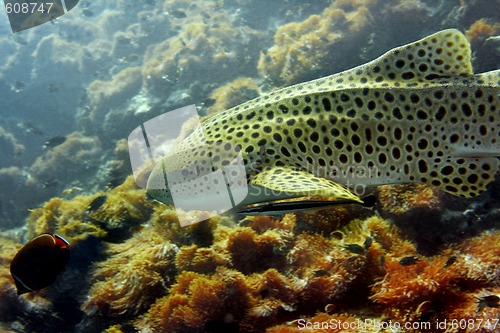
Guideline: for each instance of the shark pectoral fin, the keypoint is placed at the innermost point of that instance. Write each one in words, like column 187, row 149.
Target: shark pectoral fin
column 284, row 183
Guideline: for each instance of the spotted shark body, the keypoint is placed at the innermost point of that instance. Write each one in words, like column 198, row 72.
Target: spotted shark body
column 418, row 113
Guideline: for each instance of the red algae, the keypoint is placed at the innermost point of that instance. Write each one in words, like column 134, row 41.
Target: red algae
column 480, row 30
column 135, row 274
column 197, row 300
column 270, row 275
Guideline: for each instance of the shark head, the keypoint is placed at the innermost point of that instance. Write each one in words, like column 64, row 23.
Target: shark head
column 208, row 177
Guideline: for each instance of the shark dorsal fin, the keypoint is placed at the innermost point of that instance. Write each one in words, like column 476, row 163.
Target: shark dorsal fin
column 441, row 55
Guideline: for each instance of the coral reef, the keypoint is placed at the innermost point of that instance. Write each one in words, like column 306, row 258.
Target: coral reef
column 224, row 287
column 198, row 48
column 76, row 157
column 9, row 146
column 136, row 273
column 206, row 45
column 405, row 199
column 121, row 211
column 103, row 95
column 10, row 177
column 480, row 30
column 232, row 94
column 9, row 302
column 268, row 274
column 301, row 47
column 90, row 73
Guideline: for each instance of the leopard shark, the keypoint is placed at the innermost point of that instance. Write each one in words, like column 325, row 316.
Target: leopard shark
column 416, row 114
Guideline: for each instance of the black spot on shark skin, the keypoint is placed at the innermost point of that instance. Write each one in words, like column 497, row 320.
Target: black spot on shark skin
column 388, row 97
column 327, row 105
column 400, row 63
column 441, row 113
column 407, row 75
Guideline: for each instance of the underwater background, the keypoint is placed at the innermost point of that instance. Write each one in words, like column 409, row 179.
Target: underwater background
column 72, row 90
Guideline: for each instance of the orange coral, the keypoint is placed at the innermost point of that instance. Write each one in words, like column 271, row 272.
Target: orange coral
column 464, row 315
column 105, row 94
column 251, row 252
column 320, row 273
column 136, row 273
column 392, row 243
column 9, row 145
column 302, row 47
column 198, row 300
column 125, row 207
column 479, row 261
column 9, row 301
column 274, row 296
column 261, row 275
column 66, row 160
column 285, row 274
column 403, row 199
column 404, row 286
column 14, row 308
column 232, row 94
column 480, row 30
column 201, row 260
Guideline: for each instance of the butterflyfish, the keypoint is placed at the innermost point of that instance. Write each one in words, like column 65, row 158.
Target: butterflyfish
column 38, row 263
